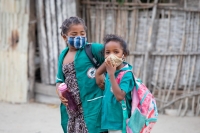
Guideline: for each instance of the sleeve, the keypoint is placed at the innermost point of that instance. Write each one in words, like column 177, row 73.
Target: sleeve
column 97, row 52
column 127, row 82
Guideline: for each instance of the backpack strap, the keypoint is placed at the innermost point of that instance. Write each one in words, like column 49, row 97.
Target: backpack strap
column 123, row 102
column 125, row 115
column 88, row 50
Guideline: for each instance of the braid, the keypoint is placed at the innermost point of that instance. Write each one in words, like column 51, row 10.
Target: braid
column 71, row 21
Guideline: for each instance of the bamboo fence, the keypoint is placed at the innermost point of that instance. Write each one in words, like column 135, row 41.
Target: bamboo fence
column 50, row 15
column 163, row 37
column 164, row 42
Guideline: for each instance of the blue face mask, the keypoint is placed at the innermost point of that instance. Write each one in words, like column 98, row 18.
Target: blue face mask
column 77, row 42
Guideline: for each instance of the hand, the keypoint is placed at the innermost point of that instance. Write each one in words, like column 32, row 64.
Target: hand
column 99, row 76
column 110, row 67
column 62, row 99
column 102, row 85
column 100, row 81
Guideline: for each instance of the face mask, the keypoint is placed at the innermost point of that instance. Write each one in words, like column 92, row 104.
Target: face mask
column 115, row 60
column 77, row 42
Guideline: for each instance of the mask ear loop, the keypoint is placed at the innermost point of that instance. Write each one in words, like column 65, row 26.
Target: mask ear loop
column 123, row 57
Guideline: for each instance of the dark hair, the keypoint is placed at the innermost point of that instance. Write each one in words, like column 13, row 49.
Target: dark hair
column 71, row 21
column 112, row 37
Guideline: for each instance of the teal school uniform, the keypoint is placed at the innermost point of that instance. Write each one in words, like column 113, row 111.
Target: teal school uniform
column 90, row 94
column 112, row 116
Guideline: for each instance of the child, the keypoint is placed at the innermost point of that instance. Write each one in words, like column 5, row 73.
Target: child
column 78, row 73
column 115, row 51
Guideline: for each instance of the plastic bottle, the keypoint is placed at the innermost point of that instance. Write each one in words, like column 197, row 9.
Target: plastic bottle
column 68, row 95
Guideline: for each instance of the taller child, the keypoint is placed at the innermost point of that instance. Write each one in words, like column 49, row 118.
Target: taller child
column 78, row 73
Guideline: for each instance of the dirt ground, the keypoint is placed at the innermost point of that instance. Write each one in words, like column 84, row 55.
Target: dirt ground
column 44, row 118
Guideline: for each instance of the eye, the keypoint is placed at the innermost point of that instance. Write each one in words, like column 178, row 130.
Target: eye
column 73, row 35
column 83, row 33
column 116, row 52
column 107, row 52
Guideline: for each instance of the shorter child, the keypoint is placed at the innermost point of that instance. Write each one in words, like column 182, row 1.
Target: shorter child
column 115, row 50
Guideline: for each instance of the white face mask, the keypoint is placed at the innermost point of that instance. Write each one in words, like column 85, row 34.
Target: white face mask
column 115, row 60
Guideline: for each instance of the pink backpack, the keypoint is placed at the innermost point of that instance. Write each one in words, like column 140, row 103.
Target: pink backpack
column 143, row 111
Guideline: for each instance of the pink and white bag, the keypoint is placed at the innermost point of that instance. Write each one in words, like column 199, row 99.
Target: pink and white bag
column 143, row 111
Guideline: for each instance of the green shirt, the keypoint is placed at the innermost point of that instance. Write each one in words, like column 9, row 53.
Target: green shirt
column 112, row 116
column 90, row 94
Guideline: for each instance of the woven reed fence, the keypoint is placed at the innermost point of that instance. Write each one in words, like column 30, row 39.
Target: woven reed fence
column 164, row 42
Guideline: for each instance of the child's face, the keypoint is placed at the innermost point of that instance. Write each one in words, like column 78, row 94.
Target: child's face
column 113, row 47
column 75, row 30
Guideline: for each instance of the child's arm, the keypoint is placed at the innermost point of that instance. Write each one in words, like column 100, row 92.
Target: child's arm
column 99, row 76
column 119, row 94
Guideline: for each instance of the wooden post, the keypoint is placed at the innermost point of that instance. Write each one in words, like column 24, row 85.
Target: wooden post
column 187, row 79
column 42, row 41
column 49, row 39
column 149, row 43
column 97, row 25
column 50, row 57
column 54, row 41
column 169, row 58
column 14, row 50
column 60, row 19
column 132, row 35
column 103, row 12
column 31, row 50
column 198, row 68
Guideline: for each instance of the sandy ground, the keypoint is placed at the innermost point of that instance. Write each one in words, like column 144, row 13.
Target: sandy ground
column 43, row 118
